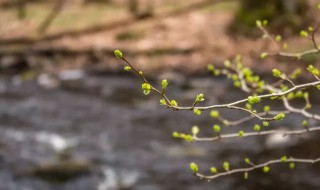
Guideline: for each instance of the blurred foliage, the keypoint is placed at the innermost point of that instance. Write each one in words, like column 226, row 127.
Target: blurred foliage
column 285, row 16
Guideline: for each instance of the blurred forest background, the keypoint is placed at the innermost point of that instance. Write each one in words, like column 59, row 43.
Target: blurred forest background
column 158, row 34
column 70, row 119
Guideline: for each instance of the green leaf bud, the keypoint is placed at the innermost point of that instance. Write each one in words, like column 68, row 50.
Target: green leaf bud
column 299, row 94
column 313, row 70
column 217, row 128
column 310, row 28
column 225, row 122
column 164, row 84
column 234, row 77
column 303, row 33
column 188, row 138
column 284, row 87
column 210, row 67
column 266, row 109
column 248, row 106
column 163, row 102
column 291, row 96
column 285, row 46
column 295, row 74
column 280, row 116
column 264, row 55
column 194, row 167
column 261, row 84
column 241, row 133
column 246, row 71
column 266, row 169
column 140, row 73
column 265, row 22
column 226, row 166
column 146, row 88
column 200, row 98
column 237, row 84
column 292, row 165
column 247, row 161
column 305, row 123
column 173, row 103
column 308, row 106
column 227, row 63
column 213, row 170
column 257, row 128
column 253, row 99
column 127, row 68
column 278, row 38
column 197, row 111
column 246, row 175
column 214, row 113
column 258, row 23
column 276, row 72
column 195, row 130
column 118, row 54
column 283, row 159
column 175, row 134
column 265, row 123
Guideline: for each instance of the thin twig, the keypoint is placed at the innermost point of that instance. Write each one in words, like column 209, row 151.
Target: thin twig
column 251, row 134
column 254, row 167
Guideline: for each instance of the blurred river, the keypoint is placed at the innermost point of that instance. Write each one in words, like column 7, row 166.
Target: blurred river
column 102, row 133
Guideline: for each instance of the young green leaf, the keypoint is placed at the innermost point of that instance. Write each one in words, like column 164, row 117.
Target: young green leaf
column 241, row 133
column 197, row 111
column 303, row 33
column 173, row 103
column 246, row 175
column 175, row 134
column 226, row 166
column 264, row 55
column 146, row 88
column 292, row 165
column 195, row 130
column 213, row 170
column 127, row 68
column 257, row 128
column 284, row 159
column 118, row 54
column 214, row 113
column 200, row 98
column 253, row 99
column 163, row 102
column 217, row 128
column 194, row 167
column 266, row 169
column 276, row 72
column 280, row 116
column 164, row 84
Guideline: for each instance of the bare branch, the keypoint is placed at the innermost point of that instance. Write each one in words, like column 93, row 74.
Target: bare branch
column 254, row 167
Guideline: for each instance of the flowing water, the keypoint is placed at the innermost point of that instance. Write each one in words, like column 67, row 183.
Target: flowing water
column 102, row 133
